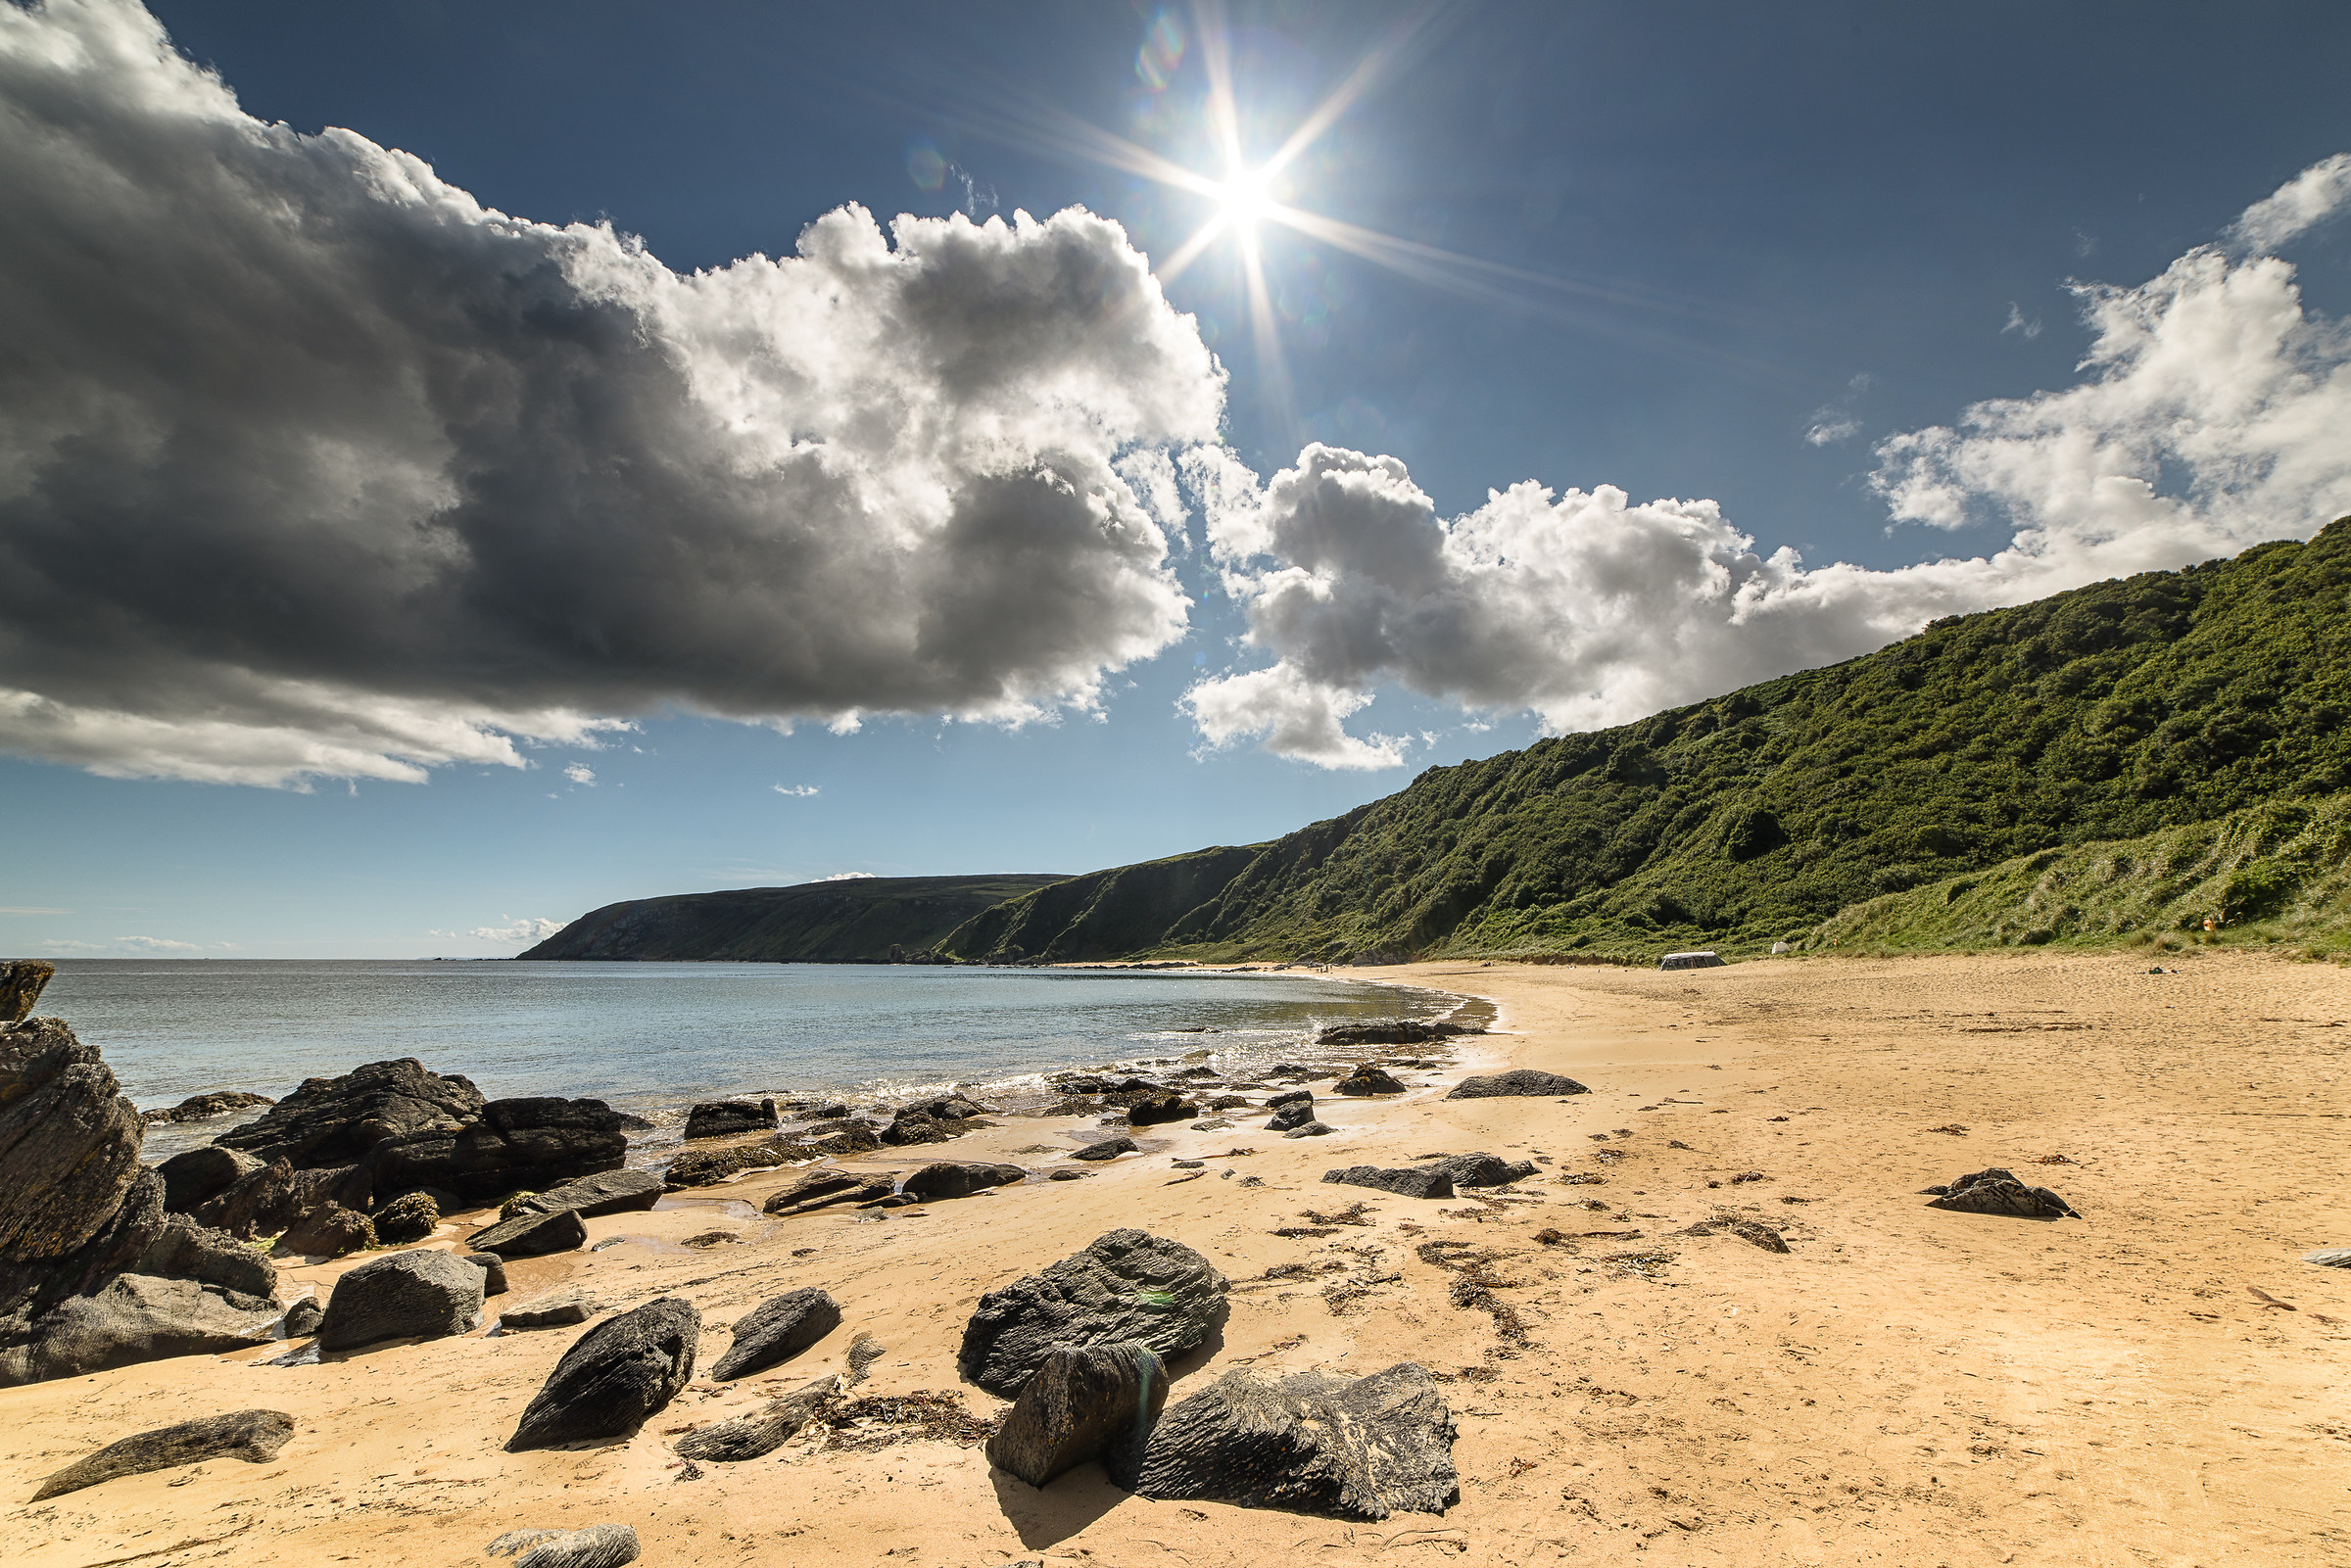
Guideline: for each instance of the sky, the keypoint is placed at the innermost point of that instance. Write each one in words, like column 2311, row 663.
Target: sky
column 462, row 466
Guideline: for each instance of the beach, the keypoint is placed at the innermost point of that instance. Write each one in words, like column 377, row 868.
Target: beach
column 1903, row 1384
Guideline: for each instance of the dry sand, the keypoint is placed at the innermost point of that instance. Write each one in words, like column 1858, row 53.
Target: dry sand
column 1904, row 1386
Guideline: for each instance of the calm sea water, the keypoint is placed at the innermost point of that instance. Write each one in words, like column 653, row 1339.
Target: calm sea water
column 653, row 1038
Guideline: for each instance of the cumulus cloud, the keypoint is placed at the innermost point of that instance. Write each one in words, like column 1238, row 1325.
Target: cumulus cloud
column 530, row 929
column 2210, row 416
column 796, row 791
column 849, row 877
column 579, row 773
column 311, row 465
column 2317, row 194
column 157, row 944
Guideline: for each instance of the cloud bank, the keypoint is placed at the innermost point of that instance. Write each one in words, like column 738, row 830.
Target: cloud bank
column 2212, row 415
column 311, row 465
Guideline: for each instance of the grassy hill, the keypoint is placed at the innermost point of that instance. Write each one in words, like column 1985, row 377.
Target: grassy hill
column 2117, row 711
column 835, row 923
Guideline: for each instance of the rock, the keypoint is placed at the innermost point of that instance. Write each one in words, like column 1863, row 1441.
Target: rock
column 301, row 1318
column 605, row 1192
column 426, row 1293
column 726, row 1119
column 1999, row 1192
column 1480, row 1170
column 334, row 1121
column 21, row 982
column 262, row 1203
column 205, row 1107
column 409, row 1218
column 554, row 1309
column 777, row 1330
column 824, row 1188
column 707, row 1168
column 329, row 1231
column 596, row 1546
column 1066, row 1174
column 2329, row 1258
column 252, row 1436
column 614, row 1377
column 1691, row 961
column 1369, row 1078
column 1292, row 1112
column 1274, row 1102
column 537, row 1144
column 750, row 1437
column 1390, row 1031
column 493, row 1271
column 832, row 1111
column 1311, row 1129
column 1229, row 1102
column 195, row 1176
column 134, row 1318
column 1747, row 1230
column 1421, row 1183
column 1307, row 1444
column 1106, row 1148
column 1127, row 1286
column 1079, row 1401
column 186, row 1250
column 1525, row 1082
column 531, row 1235
column 949, row 1180
column 69, row 1141
column 1160, row 1108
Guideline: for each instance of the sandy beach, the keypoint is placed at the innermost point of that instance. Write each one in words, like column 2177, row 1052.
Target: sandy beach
column 1903, row 1384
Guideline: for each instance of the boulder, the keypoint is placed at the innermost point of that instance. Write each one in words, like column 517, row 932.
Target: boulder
column 830, row 1111
column 329, row 1231
column 1390, row 1031
column 530, row 1235
column 1127, row 1286
column 1158, row 1108
column 252, row 1436
column 1480, row 1170
column 750, row 1437
column 726, row 1119
column 186, row 1250
column 777, row 1330
column 1417, row 1183
column 1360, row 1449
column 1106, row 1148
column 1311, row 1129
column 827, row 1187
column 557, row 1308
column 1522, row 1082
column 335, row 1121
column 596, row 1546
column 427, row 1294
column 1229, row 1102
column 21, row 982
column 1079, row 1403
column 707, row 1168
column 205, row 1107
column 1999, row 1192
column 949, row 1180
column 493, row 1271
column 410, row 1217
column 68, row 1142
column 134, row 1318
column 535, row 1144
column 263, row 1202
column 607, row 1192
column 614, row 1377
column 301, row 1318
column 1292, row 1113
column 195, row 1176
column 1274, row 1102
column 1369, row 1078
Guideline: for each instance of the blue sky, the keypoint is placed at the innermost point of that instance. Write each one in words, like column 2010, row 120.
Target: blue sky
column 1658, row 247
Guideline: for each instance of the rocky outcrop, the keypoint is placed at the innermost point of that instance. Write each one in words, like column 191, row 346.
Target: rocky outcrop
column 205, row 1107
column 531, row 1235
column 750, row 1437
column 1523, row 1082
column 21, row 982
column 1106, row 1148
column 418, row 1294
column 1480, row 1170
column 726, row 1119
column 527, row 1144
column 1369, row 1078
column 607, row 1192
column 827, row 1189
column 252, row 1436
column 707, row 1168
column 1391, row 1031
column 1293, row 1110
column 186, row 1250
column 1128, row 1286
column 133, row 1318
column 1079, row 1403
column 1307, row 1444
column 776, row 1331
column 1158, row 1108
column 195, row 1176
column 329, row 1231
column 933, row 1121
column 1999, row 1192
column 618, row 1375
column 596, row 1546
column 410, row 1217
column 946, row 1180
column 68, row 1142
column 335, row 1121
column 266, row 1200
column 1423, row 1182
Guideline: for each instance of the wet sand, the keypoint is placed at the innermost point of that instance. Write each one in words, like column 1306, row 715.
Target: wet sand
column 1905, row 1385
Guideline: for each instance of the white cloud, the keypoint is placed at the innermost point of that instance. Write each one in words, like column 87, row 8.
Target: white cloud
column 2311, row 197
column 579, row 773
column 849, row 877
column 33, row 909
column 157, row 944
column 2210, row 416
column 1828, row 431
column 2018, row 322
column 298, row 479
column 796, row 791
column 515, row 932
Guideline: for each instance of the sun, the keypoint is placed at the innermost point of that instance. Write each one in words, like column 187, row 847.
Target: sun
column 1244, row 200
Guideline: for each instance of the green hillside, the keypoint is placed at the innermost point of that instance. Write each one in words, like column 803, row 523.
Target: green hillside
column 2108, row 713
column 820, row 923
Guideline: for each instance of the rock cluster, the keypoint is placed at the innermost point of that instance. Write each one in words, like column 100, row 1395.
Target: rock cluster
column 1391, row 1031
column 1369, row 1078
column 1480, row 1170
column 933, row 1121
column 726, row 1119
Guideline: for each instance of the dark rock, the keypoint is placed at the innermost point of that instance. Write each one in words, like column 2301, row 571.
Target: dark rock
column 1065, row 1173
column 1421, row 1183
column 777, row 1330
column 303, row 1318
column 1390, row 1031
column 1999, row 1192
column 329, row 1231
column 825, row 1188
column 334, row 1121
column 195, row 1176
column 607, row 1192
column 1274, row 1102
column 633, row 1121
column 21, row 982
column 949, row 1180
column 262, row 1203
column 1307, row 1444
column 134, row 1318
column 186, row 1250
column 1480, row 1170
column 530, row 1235
column 252, row 1436
column 726, row 1119
column 1127, row 1286
column 1747, row 1230
column 1369, row 1078
column 557, row 1308
column 1292, row 1113
column 614, row 1377
column 1229, row 1102
column 909, row 1128
column 752, row 1436
column 1079, row 1403
column 707, row 1168
column 32, row 1287
column 68, row 1142
column 533, row 1144
column 1311, row 1129
column 596, row 1546
column 946, row 1107
column 832, row 1112
column 1106, row 1149
column 1160, row 1108
column 427, row 1294
column 205, row 1107
column 493, row 1271
column 1523, row 1082
column 409, row 1218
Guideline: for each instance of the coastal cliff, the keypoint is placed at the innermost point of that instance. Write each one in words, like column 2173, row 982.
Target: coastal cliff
column 858, row 921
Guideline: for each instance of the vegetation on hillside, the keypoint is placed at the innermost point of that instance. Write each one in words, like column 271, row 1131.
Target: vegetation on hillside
column 2112, row 712
column 835, row 923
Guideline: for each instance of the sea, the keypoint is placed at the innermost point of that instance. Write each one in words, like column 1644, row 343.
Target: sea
column 654, row 1039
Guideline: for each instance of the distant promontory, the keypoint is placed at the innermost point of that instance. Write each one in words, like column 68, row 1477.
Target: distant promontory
column 856, row 921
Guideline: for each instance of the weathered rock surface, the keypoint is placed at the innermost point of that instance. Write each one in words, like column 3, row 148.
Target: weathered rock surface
column 329, row 1231
column 777, row 1330
column 535, row 1144
column 252, row 1436
column 301, row 1318
column 1369, row 1078
column 707, row 1168
column 1126, row 1286
column 134, row 1318
column 617, row 1374
column 751, row 1436
column 68, row 1142
column 186, row 1250
column 726, row 1119
column 2329, row 1258
column 531, row 1235
column 205, row 1107
column 493, row 1271
column 1079, row 1403
column 1423, row 1182
column 1307, row 1444
column 1747, row 1230
column 557, row 1308
column 824, row 1188
column 1158, row 1108
column 1480, row 1170
column 1274, row 1102
column 194, row 1177
column 1294, row 1110
column 1999, row 1192
column 605, row 1546
column 21, row 982
column 947, row 1179
column 334, row 1121
column 262, row 1203
column 1310, row 1129
column 607, row 1192
column 411, row 1216
column 426, row 1293
column 1525, row 1082
column 1106, row 1148
column 1390, row 1031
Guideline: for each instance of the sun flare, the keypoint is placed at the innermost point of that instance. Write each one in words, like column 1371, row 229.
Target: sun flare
column 1244, row 200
